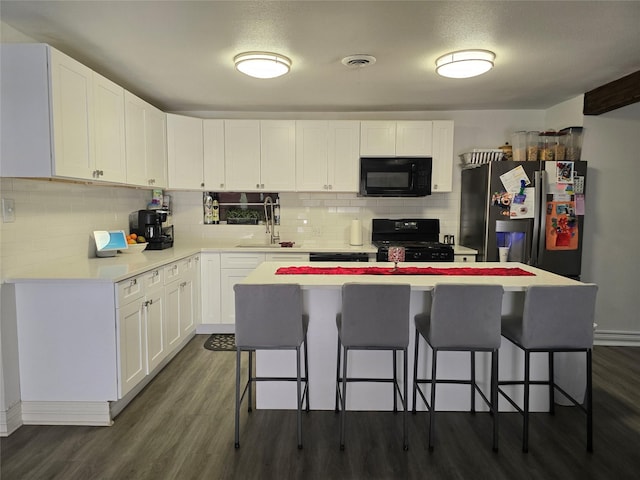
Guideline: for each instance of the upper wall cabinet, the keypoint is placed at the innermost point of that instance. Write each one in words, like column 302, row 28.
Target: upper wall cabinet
column 391, row 138
column 327, row 155
column 442, row 166
column 185, row 152
column 413, row 139
column 259, row 155
column 213, row 148
column 146, row 143
column 59, row 118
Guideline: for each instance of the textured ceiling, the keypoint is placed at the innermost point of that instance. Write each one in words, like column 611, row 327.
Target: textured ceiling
column 178, row 54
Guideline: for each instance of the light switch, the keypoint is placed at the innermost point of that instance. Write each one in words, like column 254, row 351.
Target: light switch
column 8, row 210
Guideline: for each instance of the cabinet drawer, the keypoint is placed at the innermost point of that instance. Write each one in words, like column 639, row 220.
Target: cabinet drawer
column 153, row 278
column 287, row 257
column 172, row 272
column 241, row 260
column 130, row 290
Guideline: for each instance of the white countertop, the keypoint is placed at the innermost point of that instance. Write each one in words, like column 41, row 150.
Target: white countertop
column 122, row 266
column 265, row 273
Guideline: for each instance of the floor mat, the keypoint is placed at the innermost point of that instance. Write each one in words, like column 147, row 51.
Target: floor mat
column 221, row 342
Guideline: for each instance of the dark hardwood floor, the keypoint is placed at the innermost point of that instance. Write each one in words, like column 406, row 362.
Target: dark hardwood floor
column 181, row 427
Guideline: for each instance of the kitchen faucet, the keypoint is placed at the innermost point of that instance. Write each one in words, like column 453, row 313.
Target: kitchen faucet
column 270, row 221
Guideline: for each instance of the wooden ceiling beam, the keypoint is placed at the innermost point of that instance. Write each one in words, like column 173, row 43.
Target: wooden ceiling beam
column 612, row 95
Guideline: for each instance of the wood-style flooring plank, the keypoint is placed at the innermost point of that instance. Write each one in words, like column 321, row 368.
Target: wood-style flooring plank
column 181, row 427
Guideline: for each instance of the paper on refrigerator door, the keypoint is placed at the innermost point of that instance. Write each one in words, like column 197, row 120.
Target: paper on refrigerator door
column 526, row 209
column 513, row 179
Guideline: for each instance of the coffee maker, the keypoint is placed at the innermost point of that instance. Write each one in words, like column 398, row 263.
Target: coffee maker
column 150, row 225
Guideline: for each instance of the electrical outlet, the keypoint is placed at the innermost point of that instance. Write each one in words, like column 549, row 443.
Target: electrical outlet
column 8, row 210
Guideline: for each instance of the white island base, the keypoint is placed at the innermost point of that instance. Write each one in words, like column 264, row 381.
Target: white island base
column 322, row 300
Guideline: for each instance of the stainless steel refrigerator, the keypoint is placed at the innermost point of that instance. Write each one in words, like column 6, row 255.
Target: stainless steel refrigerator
column 533, row 209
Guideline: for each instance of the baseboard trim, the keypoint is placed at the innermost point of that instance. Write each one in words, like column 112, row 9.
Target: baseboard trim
column 209, row 328
column 10, row 420
column 66, row 413
column 619, row 338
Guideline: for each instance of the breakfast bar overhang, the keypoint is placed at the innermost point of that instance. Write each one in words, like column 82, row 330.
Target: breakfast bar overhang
column 322, row 301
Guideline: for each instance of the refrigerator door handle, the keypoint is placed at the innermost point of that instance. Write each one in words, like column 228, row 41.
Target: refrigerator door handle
column 542, row 213
column 533, row 254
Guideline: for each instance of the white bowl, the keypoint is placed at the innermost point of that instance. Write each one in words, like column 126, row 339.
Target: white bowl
column 137, row 248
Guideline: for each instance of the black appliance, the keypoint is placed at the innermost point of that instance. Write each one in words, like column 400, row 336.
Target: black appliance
column 150, row 225
column 418, row 236
column 395, row 177
column 489, row 219
column 338, row 257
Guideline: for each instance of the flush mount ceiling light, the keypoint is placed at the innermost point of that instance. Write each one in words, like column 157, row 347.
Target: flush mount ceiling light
column 262, row 64
column 465, row 63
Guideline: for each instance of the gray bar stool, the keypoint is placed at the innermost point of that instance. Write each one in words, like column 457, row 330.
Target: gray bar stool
column 554, row 319
column 270, row 317
column 373, row 317
column 465, row 318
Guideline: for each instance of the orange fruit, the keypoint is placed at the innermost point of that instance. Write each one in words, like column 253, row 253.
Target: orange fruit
column 133, row 236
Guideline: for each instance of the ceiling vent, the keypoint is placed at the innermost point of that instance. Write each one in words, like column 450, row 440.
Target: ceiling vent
column 358, row 61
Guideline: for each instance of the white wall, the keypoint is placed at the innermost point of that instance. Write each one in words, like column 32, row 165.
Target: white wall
column 612, row 226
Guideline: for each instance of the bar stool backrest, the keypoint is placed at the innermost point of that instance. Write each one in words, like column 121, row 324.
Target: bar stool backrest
column 268, row 315
column 559, row 316
column 375, row 315
column 466, row 316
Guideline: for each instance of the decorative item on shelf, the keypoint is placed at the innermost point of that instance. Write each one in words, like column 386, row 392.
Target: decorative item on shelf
column 507, row 151
column 396, row 255
column 238, row 216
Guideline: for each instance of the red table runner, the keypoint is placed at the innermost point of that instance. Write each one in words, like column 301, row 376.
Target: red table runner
column 493, row 271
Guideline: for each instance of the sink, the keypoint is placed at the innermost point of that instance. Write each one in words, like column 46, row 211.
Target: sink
column 265, row 245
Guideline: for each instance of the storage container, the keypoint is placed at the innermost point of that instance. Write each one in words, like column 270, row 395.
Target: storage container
column 573, row 143
column 519, row 145
column 533, row 139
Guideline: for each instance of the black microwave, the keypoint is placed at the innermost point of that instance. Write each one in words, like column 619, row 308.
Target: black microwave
column 395, row 177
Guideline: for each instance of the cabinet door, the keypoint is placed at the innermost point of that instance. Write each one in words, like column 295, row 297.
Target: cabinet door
column 312, row 155
column 172, row 315
column 132, row 349
column 278, row 155
column 377, row 138
column 442, row 170
column 185, row 156
column 187, row 310
column 213, row 137
column 210, row 282
column 414, row 139
column 228, row 278
column 242, row 155
column 135, row 134
column 156, row 342
column 71, row 97
column 156, row 147
column 109, row 130
column 344, row 156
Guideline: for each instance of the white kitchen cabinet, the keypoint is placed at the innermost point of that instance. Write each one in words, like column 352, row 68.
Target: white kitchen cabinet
column 109, row 130
column 180, row 300
column 278, row 155
column 462, row 258
column 132, row 346
column 242, row 154
column 213, row 149
column 146, row 143
column 259, row 155
column 396, row 138
column 210, row 287
column 327, row 155
column 442, row 158
column 157, row 348
column 59, row 118
column 185, row 152
column 234, row 267
column 414, row 139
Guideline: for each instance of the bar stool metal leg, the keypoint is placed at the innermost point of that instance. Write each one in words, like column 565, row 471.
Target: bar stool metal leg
column 494, row 397
column 525, row 422
column 237, row 412
column 473, row 381
column 589, row 401
column 552, row 388
column 405, row 399
column 299, row 398
column 344, row 397
column 415, row 370
column 432, row 407
column 395, row 381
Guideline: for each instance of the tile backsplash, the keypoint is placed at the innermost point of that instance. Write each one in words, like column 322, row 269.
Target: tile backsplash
column 54, row 220
column 317, row 217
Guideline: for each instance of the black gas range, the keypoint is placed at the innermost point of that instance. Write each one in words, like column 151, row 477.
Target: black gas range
column 418, row 236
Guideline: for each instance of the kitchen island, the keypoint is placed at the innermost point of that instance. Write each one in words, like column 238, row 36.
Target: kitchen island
column 322, row 301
